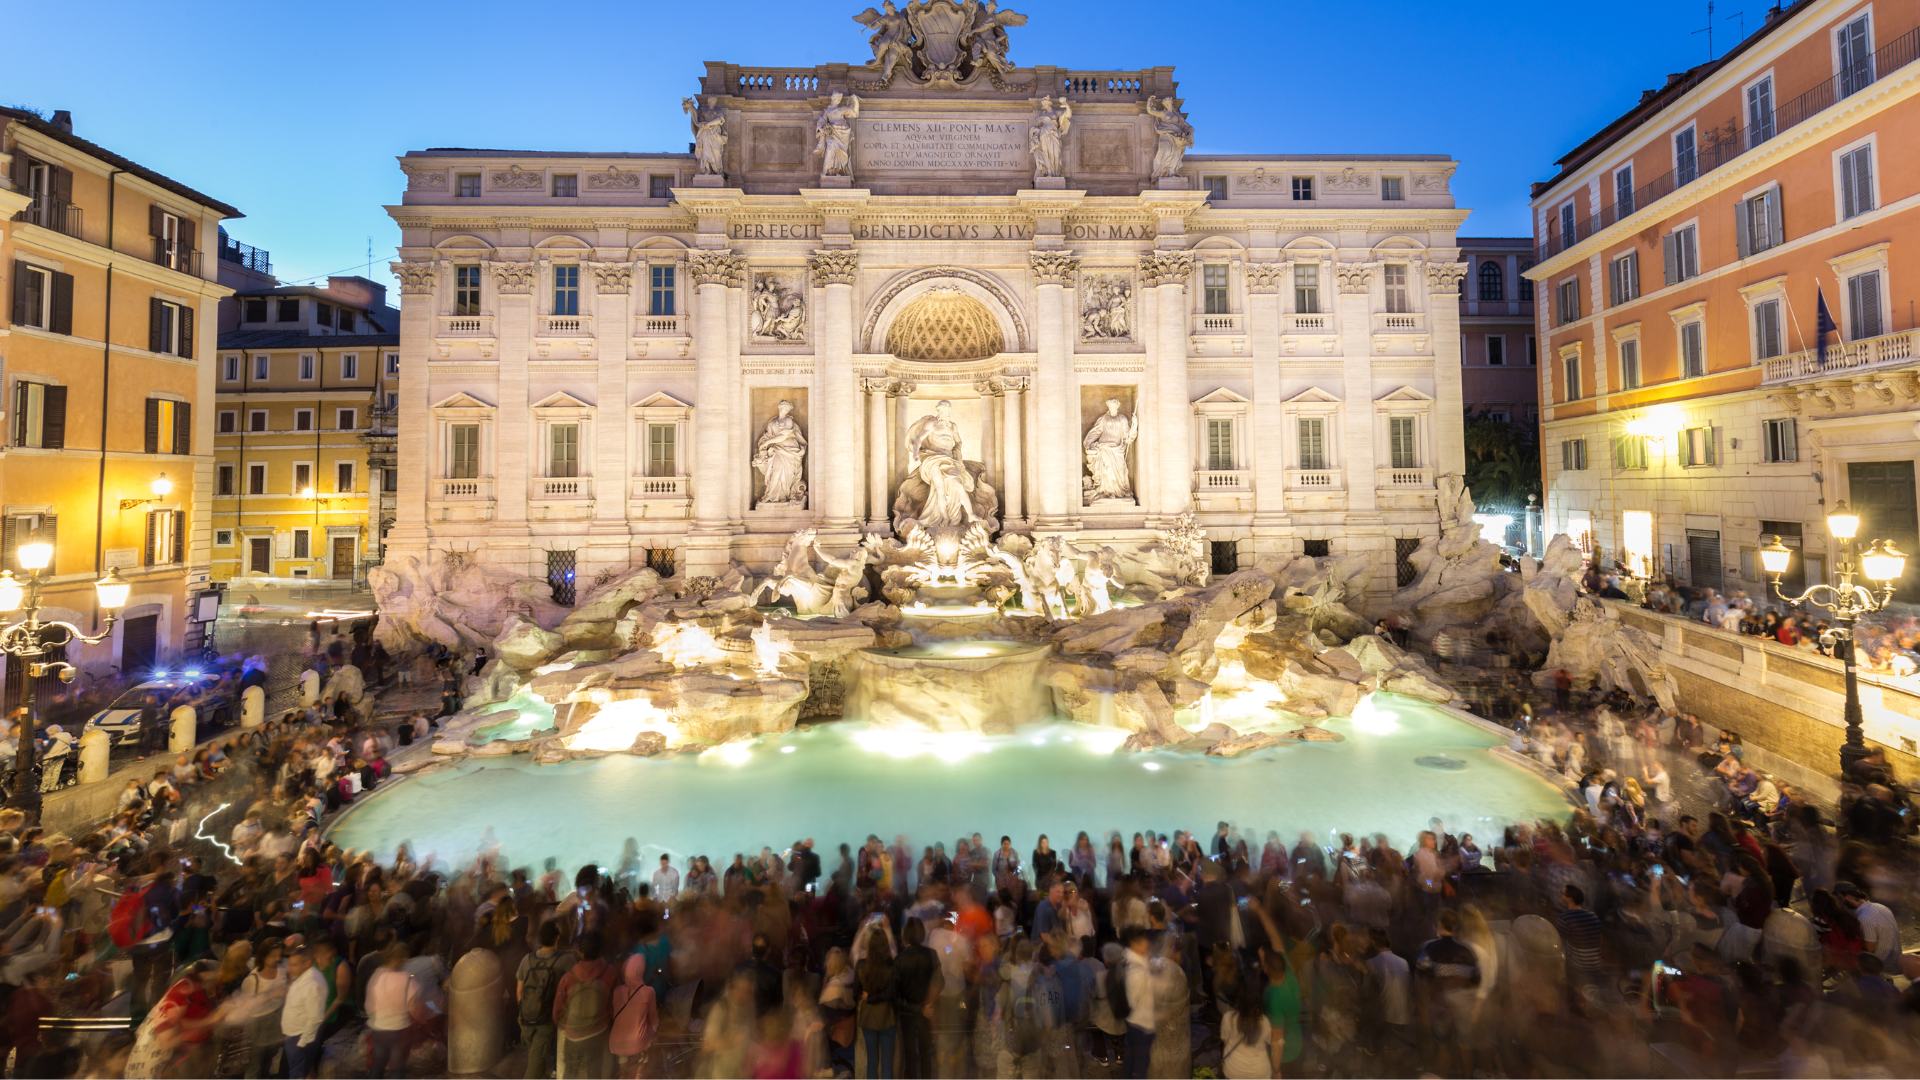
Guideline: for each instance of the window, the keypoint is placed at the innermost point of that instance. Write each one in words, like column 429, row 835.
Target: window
column 1219, row 443
column 346, row 419
column 1316, row 549
column 393, row 363
column 393, row 399
column 260, row 368
column 1306, row 288
column 1856, row 182
column 463, row 451
column 18, row 528
column 303, row 419
column 323, row 314
column 39, row 415
column 566, row 290
column 1312, row 432
column 169, row 328
column 343, row 476
column 566, row 185
column 303, row 543
column 306, row 367
column 1216, row 188
column 1623, row 277
column 1782, row 441
column 169, row 426
column 659, row 187
column 1570, row 376
column 1863, row 306
column 1213, row 288
column 1566, row 301
column 256, row 420
column 1686, row 157
column 466, row 185
column 254, row 309
column 1392, row 188
column 350, row 367
column 562, row 567
column 223, row 538
column 1693, row 350
column 1526, row 283
column 1630, row 364
column 229, row 421
column 223, row 480
column 1573, row 455
column 1403, row 569
column 1622, row 191
column 466, row 289
column 1697, row 447
column 1757, row 222
column 1766, row 330
column 1493, row 282
column 663, row 458
column 230, row 369
column 302, row 477
column 563, row 449
column 1630, row 452
column 1853, row 56
column 1496, row 350
column 1566, row 223
column 1760, row 111
column 389, row 480
column 166, row 537
column 289, row 309
column 1303, row 189
column 660, row 283
column 1403, row 451
column 1682, row 254
column 256, row 479
column 345, row 323
column 1399, row 300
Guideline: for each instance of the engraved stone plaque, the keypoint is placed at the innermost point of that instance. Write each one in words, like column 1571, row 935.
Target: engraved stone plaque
column 930, row 145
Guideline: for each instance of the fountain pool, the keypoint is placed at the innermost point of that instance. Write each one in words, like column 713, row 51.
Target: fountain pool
column 838, row 782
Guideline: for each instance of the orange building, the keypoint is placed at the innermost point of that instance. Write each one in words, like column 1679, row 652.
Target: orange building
column 107, row 331
column 1684, row 256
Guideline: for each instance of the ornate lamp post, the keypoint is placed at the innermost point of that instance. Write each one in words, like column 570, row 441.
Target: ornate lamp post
column 1881, row 564
column 29, row 639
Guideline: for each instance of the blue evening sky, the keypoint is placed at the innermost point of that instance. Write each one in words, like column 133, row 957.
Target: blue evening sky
column 295, row 113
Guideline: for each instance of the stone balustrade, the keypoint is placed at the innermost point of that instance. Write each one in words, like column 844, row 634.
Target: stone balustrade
column 1887, row 350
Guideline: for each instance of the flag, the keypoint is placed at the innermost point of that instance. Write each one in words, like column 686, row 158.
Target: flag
column 1823, row 325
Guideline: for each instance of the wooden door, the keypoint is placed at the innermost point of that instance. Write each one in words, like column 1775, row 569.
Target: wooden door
column 260, row 555
column 343, row 558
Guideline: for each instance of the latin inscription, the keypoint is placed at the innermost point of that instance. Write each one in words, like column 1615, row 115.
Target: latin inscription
column 942, row 145
column 774, row 230
column 1110, row 232
column 942, row 230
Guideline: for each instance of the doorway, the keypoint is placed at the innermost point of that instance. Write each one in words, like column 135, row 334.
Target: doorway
column 139, row 645
column 260, row 555
column 343, row 558
column 1882, row 494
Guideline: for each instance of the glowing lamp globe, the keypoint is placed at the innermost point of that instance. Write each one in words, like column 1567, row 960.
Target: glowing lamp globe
column 1843, row 523
column 1883, row 563
column 161, row 486
column 35, row 555
column 111, row 591
column 1775, row 556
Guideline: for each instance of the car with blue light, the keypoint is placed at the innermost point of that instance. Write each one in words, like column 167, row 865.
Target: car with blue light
column 152, row 702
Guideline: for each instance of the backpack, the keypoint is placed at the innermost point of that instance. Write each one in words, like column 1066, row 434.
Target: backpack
column 1025, row 1026
column 129, row 923
column 538, row 989
column 1117, row 991
column 586, row 1009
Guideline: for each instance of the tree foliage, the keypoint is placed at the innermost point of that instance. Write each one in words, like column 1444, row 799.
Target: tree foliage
column 1503, row 461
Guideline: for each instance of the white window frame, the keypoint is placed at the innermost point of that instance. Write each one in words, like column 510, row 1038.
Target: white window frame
column 1400, row 180
column 1772, row 289
column 223, row 538
column 1567, row 216
column 309, row 367
column 351, row 474
column 1566, row 286
column 1694, row 314
column 232, row 475
column 266, row 478
column 1769, row 444
column 1618, row 211
column 1622, row 337
column 1776, row 206
column 1413, row 414
column 1570, row 375
column 1872, row 142
column 1833, row 46
column 1679, row 262
column 230, row 368
column 1852, row 264
column 1221, row 407
column 1692, row 131
column 1502, row 339
column 1406, row 289
column 1311, row 266
column 349, row 367
column 225, row 418
column 262, row 367
column 1573, row 454
column 445, row 417
column 677, row 416
column 393, row 364
column 1773, row 106
column 294, row 486
column 1616, row 295
column 308, row 416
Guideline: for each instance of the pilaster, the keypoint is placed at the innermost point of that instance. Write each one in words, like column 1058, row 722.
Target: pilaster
column 1354, row 444
column 612, row 322
column 835, row 423
column 1056, row 436
column 1265, row 443
column 413, row 444
column 1165, row 273
column 715, row 274
column 1449, row 397
column 513, row 457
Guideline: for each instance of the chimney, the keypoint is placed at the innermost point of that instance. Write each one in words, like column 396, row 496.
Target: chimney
column 62, row 121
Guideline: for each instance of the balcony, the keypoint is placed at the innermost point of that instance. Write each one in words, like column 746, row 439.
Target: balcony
column 563, row 487
column 660, row 487
column 1208, row 480
column 463, row 490
column 1313, row 479
column 175, row 256
column 465, row 326
column 1399, row 322
column 1318, row 322
column 57, row 214
column 1405, row 478
column 245, row 256
column 659, row 326
column 1887, row 350
column 1220, row 324
column 565, row 326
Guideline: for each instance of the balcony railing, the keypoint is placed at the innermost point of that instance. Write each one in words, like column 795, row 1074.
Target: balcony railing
column 659, row 487
column 1405, row 478
column 659, row 326
column 566, row 325
column 1219, row 480
column 176, row 256
column 1220, row 324
column 1314, row 479
column 466, row 326
column 244, row 255
column 1718, row 146
column 57, row 214
column 468, row 489
column 1399, row 322
column 1888, row 350
column 1317, row 322
column 563, row 487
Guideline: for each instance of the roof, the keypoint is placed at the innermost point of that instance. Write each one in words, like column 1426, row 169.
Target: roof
column 293, row 339
column 1652, row 101
column 34, row 121
column 466, row 151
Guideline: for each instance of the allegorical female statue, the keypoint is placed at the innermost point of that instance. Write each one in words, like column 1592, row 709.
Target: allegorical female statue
column 833, row 134
column 942, row 490
column 781, row 458
column 709, row 134
column 1106, row 446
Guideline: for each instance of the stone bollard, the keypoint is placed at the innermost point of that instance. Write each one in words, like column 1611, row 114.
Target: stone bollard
column 475, row 1018
column 184, row 728
column 253, row 706
column 309, row 688
column 95, row 747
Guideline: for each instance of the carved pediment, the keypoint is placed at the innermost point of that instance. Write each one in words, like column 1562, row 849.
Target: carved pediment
column 562, row 400
column 463, row 400
column 1313, row 395
column 1222, row 396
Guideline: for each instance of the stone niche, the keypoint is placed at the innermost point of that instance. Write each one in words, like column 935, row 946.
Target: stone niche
column 1093, row 402
column 779, row 147
column 765, row 404
column 1103, row 148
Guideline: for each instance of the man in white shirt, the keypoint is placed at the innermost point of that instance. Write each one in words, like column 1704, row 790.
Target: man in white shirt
column 301, row 1016
column 1660, row 784
column 1877, row 924
column 1137, row 976
column 666, row 882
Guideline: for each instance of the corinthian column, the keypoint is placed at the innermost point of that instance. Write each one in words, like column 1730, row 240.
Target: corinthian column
column 876, row 390
column 715, row 378
column 1013, row 393
column 1264, row 440
column 835, row 425
column 1355, row 456
column 1166, row 273
column 1056, row 435
column 1443, row 309
column 414, row 443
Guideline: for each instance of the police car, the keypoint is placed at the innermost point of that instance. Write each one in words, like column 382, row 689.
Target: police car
column 153, row 702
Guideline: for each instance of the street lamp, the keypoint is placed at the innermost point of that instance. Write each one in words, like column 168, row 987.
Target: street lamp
column 161, row 488
column 1881, row 563
column 29, row 640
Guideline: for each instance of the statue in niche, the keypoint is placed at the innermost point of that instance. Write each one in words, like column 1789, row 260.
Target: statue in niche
column 942, row 491
column 780, row 457
column 1048, row 135
column 779, row 310
column 1106, row 446
column 1105, row 313
column 833, row 134
column 709, row 134
column 1172, row 136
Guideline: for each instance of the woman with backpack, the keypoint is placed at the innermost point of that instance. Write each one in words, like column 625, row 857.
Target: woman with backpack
column 878, row 989
column 582, row 1009
column 636, row 1019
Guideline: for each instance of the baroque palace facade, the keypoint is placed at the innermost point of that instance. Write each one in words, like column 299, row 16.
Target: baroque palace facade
column 934, row 288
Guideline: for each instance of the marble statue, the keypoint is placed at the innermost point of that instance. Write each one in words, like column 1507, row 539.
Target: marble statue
column 985, row 40
column 709, row 135
column 890, row 44
column 1172, row 136
column 942, row 491
column 1106, row 445
column 833, row 134
column 1099, row 579
column 1044, row 579
column 849, row 575
column 780, row 457
column 1048, row 135
column 779, row 311
column 943, row 42
column 1106, row 308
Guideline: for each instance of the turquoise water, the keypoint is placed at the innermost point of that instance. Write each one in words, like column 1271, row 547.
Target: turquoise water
column 533, row 714
column 839, row 782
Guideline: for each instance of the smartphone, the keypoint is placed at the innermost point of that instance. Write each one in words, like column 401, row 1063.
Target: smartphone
column 1657, row 870
column 299, row 904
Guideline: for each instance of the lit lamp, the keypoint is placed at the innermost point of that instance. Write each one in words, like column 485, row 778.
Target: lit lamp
column 161, row 487
column 31, row 638
column 1881, row 564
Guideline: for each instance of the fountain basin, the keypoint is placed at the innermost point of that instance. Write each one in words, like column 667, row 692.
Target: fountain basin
column 992, row 686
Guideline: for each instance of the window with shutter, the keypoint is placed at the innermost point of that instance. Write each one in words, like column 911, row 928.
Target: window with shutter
column 182, row 428
column 1782, row 441
column 153, row 426
column 1856, row 181
column 1863, row 306
column 1629, row 364
column 179, row 535
column 1766, row 329
column 1693, row 355
column 1853, row 54
column 53, row 424
column 60, row 305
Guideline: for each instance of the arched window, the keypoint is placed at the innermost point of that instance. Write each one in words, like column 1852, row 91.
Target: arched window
column 1493, row 283
column 1526, row 286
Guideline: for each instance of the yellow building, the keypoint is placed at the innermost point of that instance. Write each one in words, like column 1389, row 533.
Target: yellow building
column 105, row 331
column 303, row 437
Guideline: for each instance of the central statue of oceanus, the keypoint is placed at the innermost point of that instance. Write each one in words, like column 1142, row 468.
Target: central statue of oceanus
column 942, row 491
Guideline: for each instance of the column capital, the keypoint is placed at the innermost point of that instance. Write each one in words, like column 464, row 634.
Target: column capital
column 717, row 267
column 1267, row 277
column 1353, row 277
column 1165, row 268
column 416, row 278
column 612, row 277
column 834, row 266
column 1053, row 267
column 1009, row 384
column 512, row 277
column 1445, row 277
column 876, row 384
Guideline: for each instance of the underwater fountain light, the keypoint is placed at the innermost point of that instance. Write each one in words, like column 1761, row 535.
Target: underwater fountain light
column 686, row 644
column 1372, row 718
column 619, row 723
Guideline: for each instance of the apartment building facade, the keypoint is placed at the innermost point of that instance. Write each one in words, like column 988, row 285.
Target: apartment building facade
column 1498, row 349
column 105, row 329
column 1726, row 278
column 307, row 393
